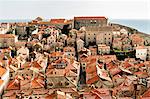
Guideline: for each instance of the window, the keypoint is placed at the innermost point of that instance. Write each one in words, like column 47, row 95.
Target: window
column 83, row 68
column 50, row 84
column 10, row 75
column 66, row 83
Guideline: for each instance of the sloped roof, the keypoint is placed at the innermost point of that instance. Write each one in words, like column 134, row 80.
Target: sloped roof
column 7, row 36
column 37, row 83
column 2, row 71
column 13, row 85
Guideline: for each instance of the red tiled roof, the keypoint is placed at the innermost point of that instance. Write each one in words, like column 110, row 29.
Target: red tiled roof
column 37, row 83
column 27, row 92
column 70, row 67
column 69, row 49
column 7, row 36
column 35, row 65
column 140, row 65
column 2, row 71
column 57, row 21
column 26, row 65
column 141, row 74
column 13, row 85
column 91, row 69
column 93, row 80
column 1, row 81
column 101, row 92
column 70, row 73
column 56, row 54
column 146, row 94
column 61, row 61
column 50, row 66
column 115, row 71
column 126, row 65
column 40, row 91
column 50, row 72
column 9, row 93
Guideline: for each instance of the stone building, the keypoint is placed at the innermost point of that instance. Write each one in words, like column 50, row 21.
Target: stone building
column 141, row 52
column 7, row 40
column 69, row 52
column 101, row 35
column 80, row 44
column 104, row 36
column 137, row 40
column 21, row 30
column 117, row 44
column 51, row 39
column 95, row 21
column 103, row 49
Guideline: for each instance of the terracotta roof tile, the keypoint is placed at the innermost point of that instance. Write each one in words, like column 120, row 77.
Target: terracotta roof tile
column 57, row 21
column 13, row 85
column 7, row 36
column 70, row 67
column 93, row 80
column 56, row 54
column 146, row 95
column 27, row 92
column 40, row 91
column 115, row 71
column 1, row 81
column 55, row 72
column 9, row 93
column 141, row 74
column 70, row 73
column 50, row 66
column 69, row 49
column 126, row 65
column 37, row 83
column 2, row 71
column 36, row 65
